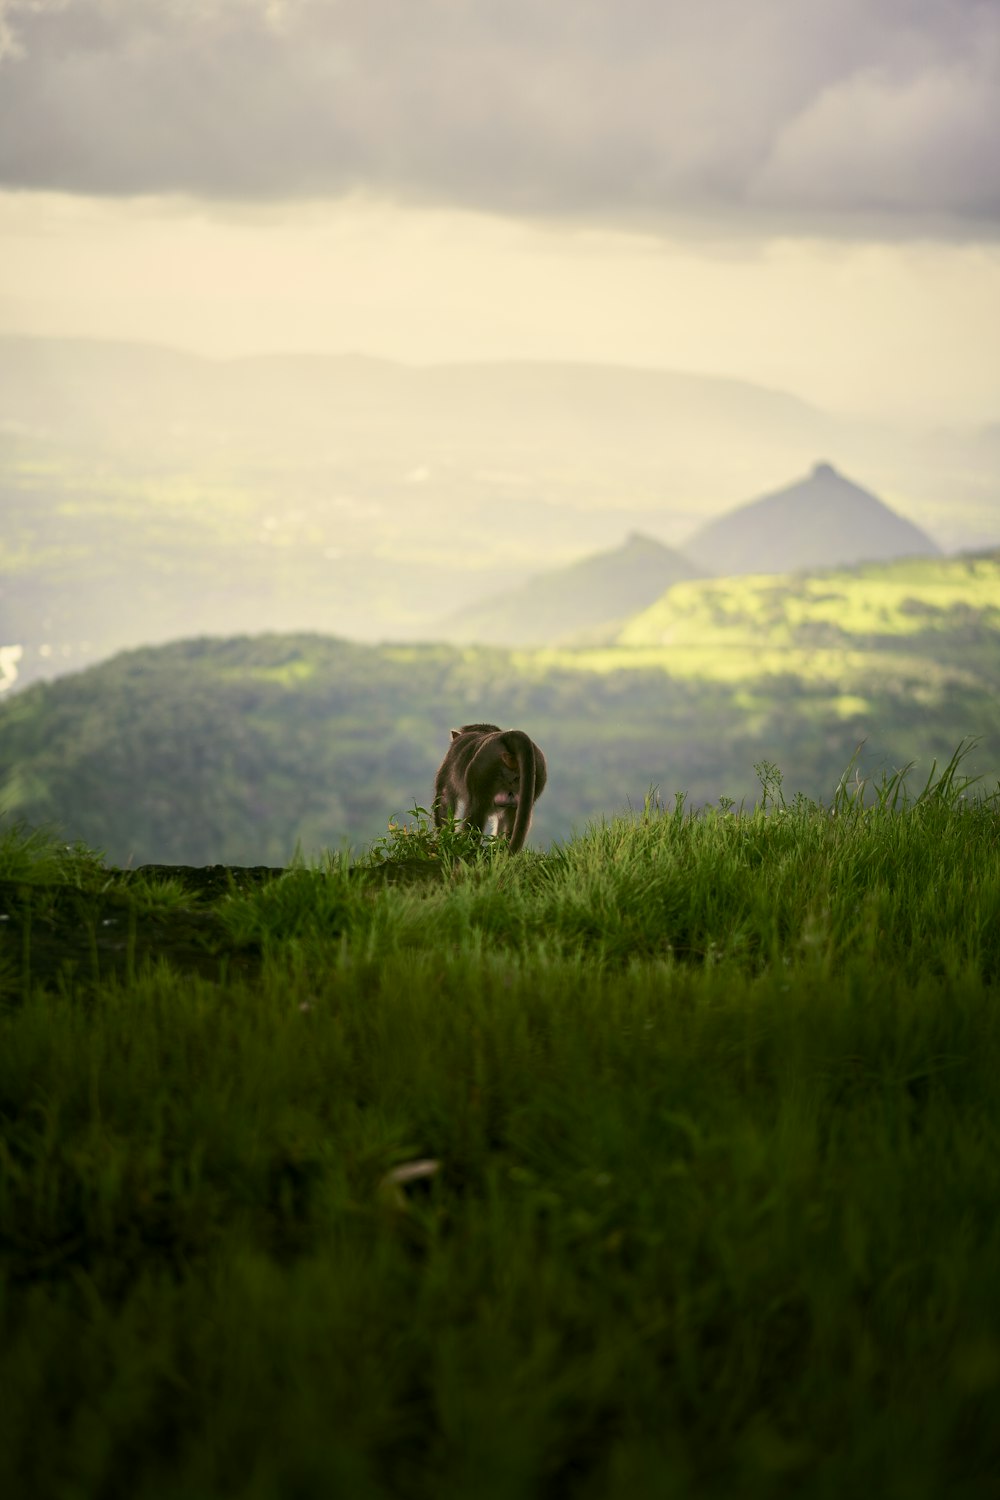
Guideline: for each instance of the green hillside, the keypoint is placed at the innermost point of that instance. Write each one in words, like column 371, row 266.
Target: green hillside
column 242, row 750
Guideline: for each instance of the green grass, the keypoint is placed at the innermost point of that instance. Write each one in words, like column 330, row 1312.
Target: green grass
column 711, row 1109
column 38, row 855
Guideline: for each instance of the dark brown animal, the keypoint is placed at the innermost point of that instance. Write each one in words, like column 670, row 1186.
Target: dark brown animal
column 493, row 773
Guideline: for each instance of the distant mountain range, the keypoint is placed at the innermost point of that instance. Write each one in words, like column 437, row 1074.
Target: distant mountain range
column 149, row 495
column 559, row 606
column 822, row 521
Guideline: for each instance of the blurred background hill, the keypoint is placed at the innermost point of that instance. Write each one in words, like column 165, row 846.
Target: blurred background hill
column 585, row 598
column 824, row 520
column 149, row 495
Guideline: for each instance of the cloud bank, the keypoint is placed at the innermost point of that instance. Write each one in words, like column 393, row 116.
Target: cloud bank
column 796, row 115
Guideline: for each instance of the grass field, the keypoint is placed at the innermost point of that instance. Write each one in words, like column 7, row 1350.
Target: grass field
column 665, row 1163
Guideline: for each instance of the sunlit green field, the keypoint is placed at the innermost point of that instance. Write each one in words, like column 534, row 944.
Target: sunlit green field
column 735, row 661
column 665, row 1162
column 877, row 600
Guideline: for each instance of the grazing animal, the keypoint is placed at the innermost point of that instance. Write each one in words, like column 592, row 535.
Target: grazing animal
column 493, row 773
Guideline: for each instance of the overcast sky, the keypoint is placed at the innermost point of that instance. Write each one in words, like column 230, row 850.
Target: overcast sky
column 806, row 184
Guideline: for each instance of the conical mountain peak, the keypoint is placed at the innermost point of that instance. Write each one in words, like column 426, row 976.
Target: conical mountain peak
column 822, row 521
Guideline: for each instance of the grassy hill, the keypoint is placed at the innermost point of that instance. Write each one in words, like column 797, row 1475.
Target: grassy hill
column 589, row 596
column 665, row 1162
column 241, row 750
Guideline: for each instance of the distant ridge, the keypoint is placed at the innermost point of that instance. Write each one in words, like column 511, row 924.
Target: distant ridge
column 554, row 607
column 822, row 521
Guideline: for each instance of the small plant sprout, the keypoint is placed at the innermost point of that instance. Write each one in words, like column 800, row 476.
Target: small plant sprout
column 770, row 778
column 421, row 840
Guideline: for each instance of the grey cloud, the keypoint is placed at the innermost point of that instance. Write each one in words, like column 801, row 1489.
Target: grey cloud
column 921, row 143
column 609, row 110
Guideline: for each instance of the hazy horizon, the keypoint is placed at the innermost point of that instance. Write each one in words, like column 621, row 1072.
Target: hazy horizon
column 623, row 198
column 802, row 196
column 291, row 353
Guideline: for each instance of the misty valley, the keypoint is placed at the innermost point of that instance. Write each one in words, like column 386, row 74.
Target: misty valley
column 149, row 495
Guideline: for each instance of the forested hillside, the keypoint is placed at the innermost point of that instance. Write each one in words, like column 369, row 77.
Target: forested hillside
column 242, row 750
